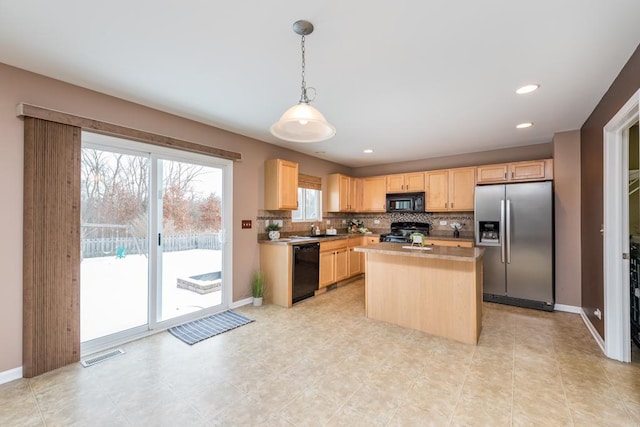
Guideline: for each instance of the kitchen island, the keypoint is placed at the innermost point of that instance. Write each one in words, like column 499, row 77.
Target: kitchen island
column 435, row 289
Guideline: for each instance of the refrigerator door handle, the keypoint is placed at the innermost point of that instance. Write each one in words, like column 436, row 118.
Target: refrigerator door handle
column 508, row 236
column 501, row 231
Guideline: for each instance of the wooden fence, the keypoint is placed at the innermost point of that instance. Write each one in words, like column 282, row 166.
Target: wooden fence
column 108, row 246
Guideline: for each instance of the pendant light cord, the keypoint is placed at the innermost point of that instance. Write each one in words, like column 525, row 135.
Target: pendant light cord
column 303, row 94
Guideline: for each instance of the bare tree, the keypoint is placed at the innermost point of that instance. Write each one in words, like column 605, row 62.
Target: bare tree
column 115, row 190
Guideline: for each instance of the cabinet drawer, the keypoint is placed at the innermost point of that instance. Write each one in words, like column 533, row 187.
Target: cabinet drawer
column 454, row 243
column 356, row 241
column 371, row 240
column 333, row 245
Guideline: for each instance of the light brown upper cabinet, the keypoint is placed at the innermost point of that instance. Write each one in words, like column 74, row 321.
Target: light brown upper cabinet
column 535, row 170
column 280, row 185
column 450, row 189
column 462, row 184
column 405, row 182
column 342, row 191
column 437, row 183
column 374, row 194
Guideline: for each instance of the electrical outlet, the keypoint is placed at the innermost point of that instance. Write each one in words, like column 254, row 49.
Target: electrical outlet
column 246, row 223
column 598, row 313
column 328, row 222
column 376, row 221
column 443, row 222
column 344, row 221
column 278, row 221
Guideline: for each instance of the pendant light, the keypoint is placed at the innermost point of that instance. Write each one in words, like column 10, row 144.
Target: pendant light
column 302, row 122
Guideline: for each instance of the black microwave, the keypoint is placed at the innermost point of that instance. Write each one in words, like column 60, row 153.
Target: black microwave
column 405, row 202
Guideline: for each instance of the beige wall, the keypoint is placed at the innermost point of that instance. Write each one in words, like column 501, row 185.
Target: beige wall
column 566, row 165
column 20, row 86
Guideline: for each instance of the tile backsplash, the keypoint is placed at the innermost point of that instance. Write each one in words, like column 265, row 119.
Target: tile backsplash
column 375, row 222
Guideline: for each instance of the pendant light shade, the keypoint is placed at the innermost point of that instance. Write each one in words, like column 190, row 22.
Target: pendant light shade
column 302, row 122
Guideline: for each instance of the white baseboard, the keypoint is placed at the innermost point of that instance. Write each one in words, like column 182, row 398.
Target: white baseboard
column 593, row 331
column 567, row 308
column 241, row 302
column 10, row 375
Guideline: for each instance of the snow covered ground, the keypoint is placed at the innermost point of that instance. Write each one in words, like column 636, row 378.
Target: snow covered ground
column 114, row 291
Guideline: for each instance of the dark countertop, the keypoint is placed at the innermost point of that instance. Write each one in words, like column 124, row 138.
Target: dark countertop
column 434, row 252
column 299, row 240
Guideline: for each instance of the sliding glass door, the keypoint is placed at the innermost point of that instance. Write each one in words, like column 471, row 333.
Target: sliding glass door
column 153, row 247
column 114, row 274
column 189, row 238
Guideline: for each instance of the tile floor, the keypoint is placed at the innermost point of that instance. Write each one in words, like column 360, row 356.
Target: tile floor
column 323, row 363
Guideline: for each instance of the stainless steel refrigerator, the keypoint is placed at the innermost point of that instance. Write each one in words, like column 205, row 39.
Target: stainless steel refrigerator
column 514, row 224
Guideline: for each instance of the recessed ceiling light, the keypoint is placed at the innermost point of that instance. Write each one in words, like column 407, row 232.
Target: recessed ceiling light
column 524, row 125
column 527, row 89
column 367, row 150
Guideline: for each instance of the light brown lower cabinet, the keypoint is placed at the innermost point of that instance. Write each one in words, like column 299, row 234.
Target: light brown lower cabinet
column 355, row 262
column 334, row 262
column 356, row 259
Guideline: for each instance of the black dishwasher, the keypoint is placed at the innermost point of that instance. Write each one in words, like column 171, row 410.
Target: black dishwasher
column 306, row 271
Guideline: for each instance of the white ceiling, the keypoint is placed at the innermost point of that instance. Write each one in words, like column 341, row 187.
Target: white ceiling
column 411, row 79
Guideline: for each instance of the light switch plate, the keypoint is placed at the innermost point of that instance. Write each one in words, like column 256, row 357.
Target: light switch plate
column 443, row 222
column 376, row 221
column 246, row 223
column 278, row 221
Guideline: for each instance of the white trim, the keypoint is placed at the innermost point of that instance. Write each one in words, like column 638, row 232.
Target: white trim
column 241, row 302
column 568, row 308
column 616, row 228
column 593, row 331
column 10, row 375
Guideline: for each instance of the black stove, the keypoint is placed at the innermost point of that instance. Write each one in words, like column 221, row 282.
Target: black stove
column 400, row 231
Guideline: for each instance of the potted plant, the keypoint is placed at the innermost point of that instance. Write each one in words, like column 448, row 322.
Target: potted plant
column 257, row 287
column 274, row 231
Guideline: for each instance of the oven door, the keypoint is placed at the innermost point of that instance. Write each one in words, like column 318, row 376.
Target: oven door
column 395, row 239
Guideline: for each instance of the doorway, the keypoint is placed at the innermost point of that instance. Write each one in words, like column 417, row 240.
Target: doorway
column 617, row 343
column 154, row 252
column 633, row 139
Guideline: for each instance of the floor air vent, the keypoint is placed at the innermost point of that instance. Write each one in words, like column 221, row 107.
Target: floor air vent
column 101, row 358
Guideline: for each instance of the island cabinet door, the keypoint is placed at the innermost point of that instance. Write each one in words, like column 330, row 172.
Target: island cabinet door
column 327, row 268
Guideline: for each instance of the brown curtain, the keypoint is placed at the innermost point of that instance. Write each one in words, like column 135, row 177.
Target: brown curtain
column 309, row 181
column 51, row 253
